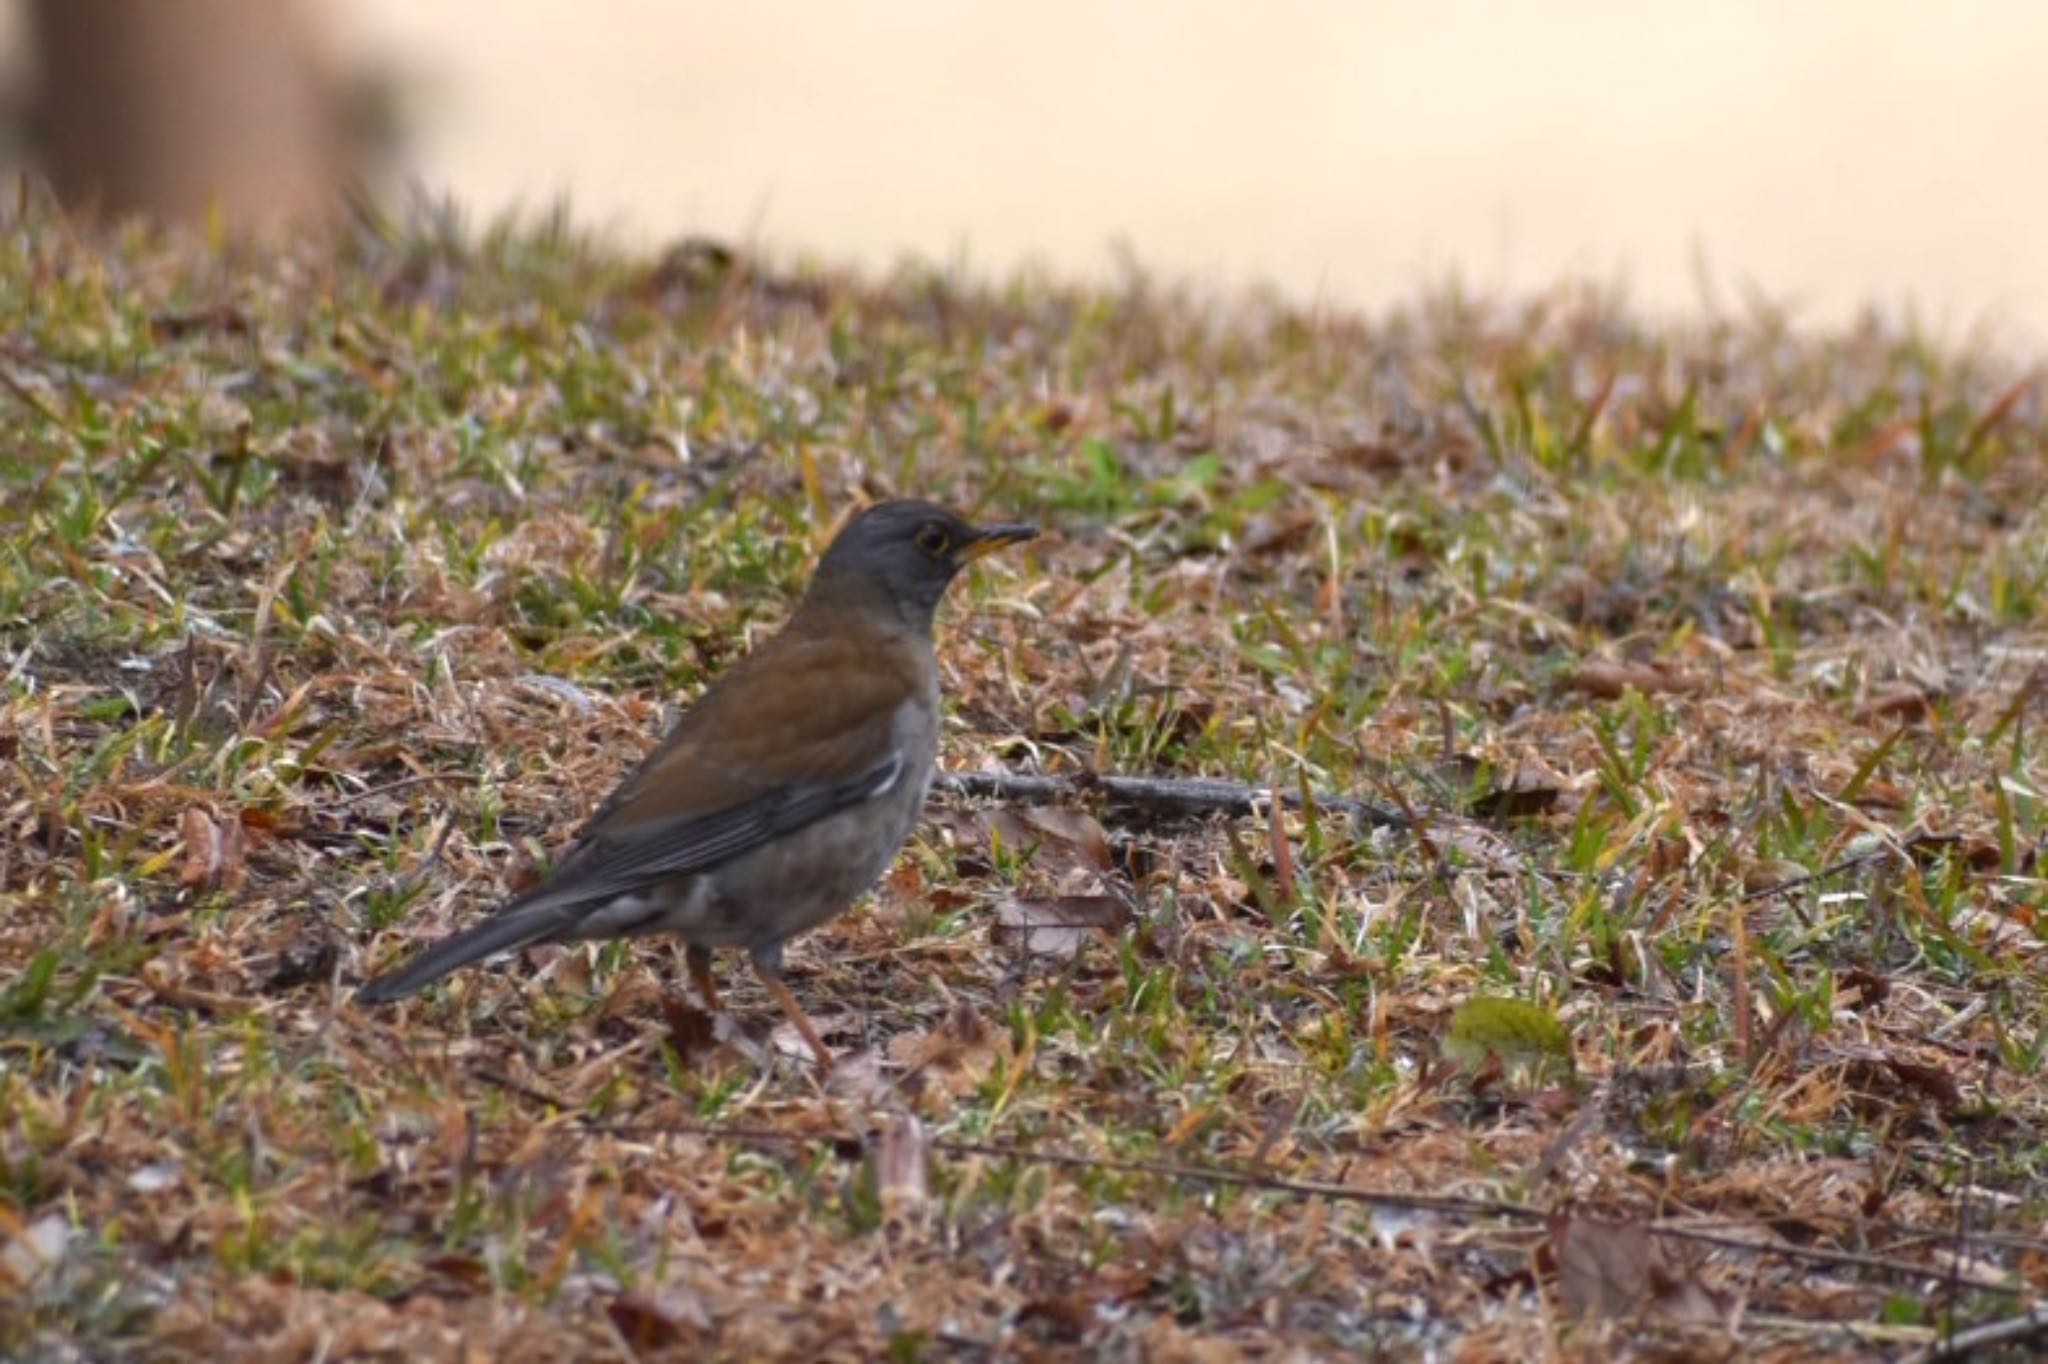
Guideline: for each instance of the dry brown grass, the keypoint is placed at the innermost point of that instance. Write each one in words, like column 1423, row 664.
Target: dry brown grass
column 337, row 588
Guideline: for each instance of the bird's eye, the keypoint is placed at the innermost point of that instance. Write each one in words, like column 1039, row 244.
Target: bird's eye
column 934, row 540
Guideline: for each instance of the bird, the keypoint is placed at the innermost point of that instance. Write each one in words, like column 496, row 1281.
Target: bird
column 782, row 795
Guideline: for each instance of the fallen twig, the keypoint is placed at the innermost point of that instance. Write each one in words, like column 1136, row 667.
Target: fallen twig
column 422, row 779
column 1198, row 1174
column 490, row 1075
column 1849, row 863
column 1903, row 1269
column 1992, row 1334
column 1173, row 798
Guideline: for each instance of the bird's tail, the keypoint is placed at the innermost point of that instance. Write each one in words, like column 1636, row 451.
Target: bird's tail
column 517, row 926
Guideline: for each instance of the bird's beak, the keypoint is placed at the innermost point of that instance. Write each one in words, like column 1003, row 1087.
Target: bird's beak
column 988, row 539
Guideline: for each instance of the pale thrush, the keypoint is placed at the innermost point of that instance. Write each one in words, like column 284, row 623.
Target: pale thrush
column 783, row 794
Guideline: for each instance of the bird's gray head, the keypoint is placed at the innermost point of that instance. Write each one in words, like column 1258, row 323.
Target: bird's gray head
column 910, row 551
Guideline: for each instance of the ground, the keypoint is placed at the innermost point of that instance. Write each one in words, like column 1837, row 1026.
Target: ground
column 1684, row 997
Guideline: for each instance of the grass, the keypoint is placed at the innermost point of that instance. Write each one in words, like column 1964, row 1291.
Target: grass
column 339, row 583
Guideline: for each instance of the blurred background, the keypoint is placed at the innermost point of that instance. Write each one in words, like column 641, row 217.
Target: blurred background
column 1827, row 156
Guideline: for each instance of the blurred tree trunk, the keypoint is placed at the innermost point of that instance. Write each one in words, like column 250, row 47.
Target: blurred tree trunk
column 169, row 107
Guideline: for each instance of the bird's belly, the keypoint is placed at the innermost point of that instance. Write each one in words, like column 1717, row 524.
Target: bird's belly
column 776, row 892
column 809, row 876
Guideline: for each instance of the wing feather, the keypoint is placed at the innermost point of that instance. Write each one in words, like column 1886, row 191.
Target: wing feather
column 804, row 726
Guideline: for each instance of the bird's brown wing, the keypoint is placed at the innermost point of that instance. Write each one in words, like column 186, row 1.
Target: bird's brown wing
column 802, row 727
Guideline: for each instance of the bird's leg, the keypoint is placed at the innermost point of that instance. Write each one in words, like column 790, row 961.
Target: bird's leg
column 697, row 960
column 768, row 966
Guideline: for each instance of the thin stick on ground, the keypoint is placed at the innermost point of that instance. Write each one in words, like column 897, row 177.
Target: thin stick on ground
column 1991, row 1335
column 1849, row 863
column 1343, row 1193
column 1158, row 797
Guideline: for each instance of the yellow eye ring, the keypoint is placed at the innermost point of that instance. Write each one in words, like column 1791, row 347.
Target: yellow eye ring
column 934, row 541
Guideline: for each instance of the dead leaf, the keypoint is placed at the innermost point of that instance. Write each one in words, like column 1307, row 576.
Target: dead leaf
column 1056, row 928
column 1278, row 534
column 214, row 852
column 224, row 319
column 1759, row 877
column 659, row 1320
column 1515, row 802
column 1982, row 854
column 1682, row 1297
column 1879, row 794
column 1490, row 794
column 1876, row 1069
column 1482, row 847
column 467, row 1270
column 1868, row 987
column 1908, row 704
column 903, row 1153
column 1935, row 1082
column 857, row 1076
column 1056, row 416
column 1282, row 852
column 1059, row 837
column 1372, row 456
column 269, row 823
column 955, row 1056
column 154, row 1178
column 1610, row 681
column 904, row 885
column 32, row 1250
column 234, row 849
column 692, row 1031
column 202, row 848
column 839, row 1027
column 1618, row 1269
column 1602, row 1268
